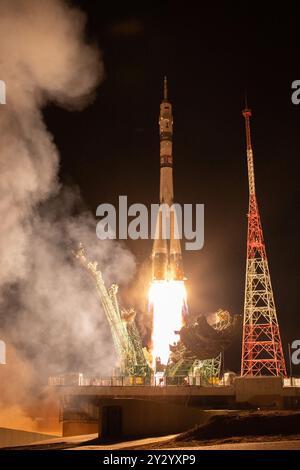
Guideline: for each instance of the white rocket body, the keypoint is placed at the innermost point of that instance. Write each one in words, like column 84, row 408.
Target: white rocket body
column 166, row 253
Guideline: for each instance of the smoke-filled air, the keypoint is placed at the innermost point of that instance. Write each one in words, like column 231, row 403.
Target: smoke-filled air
column 51, row 317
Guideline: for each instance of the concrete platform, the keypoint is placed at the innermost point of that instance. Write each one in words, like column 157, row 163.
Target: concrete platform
column 152, row 410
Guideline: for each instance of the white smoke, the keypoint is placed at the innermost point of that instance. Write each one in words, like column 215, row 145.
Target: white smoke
column 49, row 309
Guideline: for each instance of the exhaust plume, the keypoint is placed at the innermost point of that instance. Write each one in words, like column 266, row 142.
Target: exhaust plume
column 49, row 311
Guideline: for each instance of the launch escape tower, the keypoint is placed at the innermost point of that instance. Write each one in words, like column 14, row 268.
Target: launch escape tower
column 262, row 352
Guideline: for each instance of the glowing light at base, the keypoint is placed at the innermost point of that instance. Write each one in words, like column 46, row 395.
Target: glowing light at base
column 167, row 299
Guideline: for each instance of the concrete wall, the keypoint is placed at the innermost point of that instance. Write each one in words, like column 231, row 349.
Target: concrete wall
column 14, row 437
column 77, row 428
column 259, row 391
column 144, row 391
column 149, row 418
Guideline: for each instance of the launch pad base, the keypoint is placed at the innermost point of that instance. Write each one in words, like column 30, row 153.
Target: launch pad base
column 157, row 410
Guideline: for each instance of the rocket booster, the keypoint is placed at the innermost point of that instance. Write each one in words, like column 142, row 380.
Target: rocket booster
column 166, row 253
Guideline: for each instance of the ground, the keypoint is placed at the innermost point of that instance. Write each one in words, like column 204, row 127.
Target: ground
column 255, row 430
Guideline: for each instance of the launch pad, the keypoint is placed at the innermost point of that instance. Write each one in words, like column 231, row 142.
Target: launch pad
column 157, row 410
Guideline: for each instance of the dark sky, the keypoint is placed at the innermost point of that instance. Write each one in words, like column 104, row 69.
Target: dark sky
column 211, row 53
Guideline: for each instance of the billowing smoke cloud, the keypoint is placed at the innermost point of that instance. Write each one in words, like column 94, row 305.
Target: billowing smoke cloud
column 49, row 310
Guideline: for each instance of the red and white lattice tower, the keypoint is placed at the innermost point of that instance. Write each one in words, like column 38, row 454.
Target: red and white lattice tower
column 262, row 352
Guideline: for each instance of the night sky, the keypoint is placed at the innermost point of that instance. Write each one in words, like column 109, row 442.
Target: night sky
column 210, row 54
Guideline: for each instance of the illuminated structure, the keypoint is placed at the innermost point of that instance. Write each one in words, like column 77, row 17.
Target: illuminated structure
column 185, row 362
column 126, row 338
column 166, row 262
column 262, row 349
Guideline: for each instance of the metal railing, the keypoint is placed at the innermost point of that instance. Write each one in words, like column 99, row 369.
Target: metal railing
column 291, row 382
column 121, row 381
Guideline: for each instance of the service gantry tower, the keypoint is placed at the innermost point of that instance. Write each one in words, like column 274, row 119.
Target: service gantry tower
column 262, row 352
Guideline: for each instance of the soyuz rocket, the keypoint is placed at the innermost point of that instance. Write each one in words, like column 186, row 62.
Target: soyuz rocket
column 166, row 252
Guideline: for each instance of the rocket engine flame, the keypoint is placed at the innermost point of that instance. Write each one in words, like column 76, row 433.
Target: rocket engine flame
column 167, row 300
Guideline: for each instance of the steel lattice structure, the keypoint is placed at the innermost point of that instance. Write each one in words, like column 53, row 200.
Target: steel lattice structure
column 126, row 339
column 209, row 370
column 262, row 352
